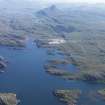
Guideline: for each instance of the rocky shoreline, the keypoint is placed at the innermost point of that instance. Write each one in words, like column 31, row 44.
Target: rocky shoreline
column 74, row 76
column 52, row 68
column 3, row 63
column 8, row 99
column 12, row 40
column 70, row 97
column 101, row 92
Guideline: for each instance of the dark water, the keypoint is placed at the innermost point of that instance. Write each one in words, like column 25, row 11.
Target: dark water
column 26, row 77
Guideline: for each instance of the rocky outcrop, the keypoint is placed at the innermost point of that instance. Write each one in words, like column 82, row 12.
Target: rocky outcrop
column 101, row 93
column 63, row 74
column 8, row 99
column 12, row 41
column 3, row 63
column 70, row 97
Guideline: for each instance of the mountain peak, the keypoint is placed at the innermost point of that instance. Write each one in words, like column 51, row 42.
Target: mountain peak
column 52, row 7
column 48, row 11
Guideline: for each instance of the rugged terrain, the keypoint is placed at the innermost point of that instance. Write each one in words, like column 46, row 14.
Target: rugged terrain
column 77, row 31
column 82, row 32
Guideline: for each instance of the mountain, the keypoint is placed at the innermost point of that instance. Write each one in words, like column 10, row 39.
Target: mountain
column 50, row 11
column 53, row 20
column 51, row 17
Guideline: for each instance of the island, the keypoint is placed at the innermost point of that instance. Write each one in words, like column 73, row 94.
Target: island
column 8, row 99
column 101, row 92
column 69, row 96
column 3, row 63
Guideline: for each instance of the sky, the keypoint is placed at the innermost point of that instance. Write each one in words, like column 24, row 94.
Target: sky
column 41, row 3
column 69, row 1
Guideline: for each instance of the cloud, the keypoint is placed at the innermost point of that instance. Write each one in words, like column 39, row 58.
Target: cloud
column 69, row 1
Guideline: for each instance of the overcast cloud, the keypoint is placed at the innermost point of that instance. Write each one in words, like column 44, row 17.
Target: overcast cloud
column 69, row 1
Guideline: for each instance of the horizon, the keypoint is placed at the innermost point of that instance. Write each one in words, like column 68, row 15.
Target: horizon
column 55, row 1
column 69, row 1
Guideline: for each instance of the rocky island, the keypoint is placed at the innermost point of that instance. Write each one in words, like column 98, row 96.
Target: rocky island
column 8, row 99
column 101, row 92
column 3, row 63
column 70, row 97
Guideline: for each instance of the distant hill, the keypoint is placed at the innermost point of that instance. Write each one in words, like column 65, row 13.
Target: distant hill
column 54, row 20
column 52, row 10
